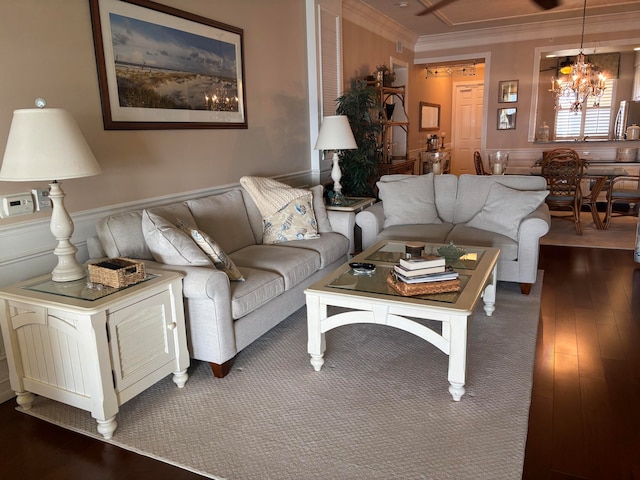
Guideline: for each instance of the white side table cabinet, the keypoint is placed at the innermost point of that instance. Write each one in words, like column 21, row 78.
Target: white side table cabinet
column 93, row 349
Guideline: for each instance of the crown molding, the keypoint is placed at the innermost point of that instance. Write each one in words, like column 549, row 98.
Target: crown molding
column 628, row 21
column 370, row 19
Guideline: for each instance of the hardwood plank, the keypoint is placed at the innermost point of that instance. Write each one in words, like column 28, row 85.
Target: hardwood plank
column 589, row 362
column 569, row 449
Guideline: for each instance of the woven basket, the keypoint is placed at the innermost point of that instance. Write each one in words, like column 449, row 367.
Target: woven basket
column 117, row 272
column 427, row 288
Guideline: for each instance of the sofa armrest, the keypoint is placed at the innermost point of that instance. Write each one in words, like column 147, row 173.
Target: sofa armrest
column 371, row 221
column 343, row 223
column 532, row 228
column 199, row 282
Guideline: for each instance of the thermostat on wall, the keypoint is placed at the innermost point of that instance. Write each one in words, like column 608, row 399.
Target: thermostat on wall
column 16, row 204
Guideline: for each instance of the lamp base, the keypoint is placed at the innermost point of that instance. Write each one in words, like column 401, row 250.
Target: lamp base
column 336, row 174
column 68, row 268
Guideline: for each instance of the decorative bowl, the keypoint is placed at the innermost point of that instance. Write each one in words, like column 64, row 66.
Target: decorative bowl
column 451, row 252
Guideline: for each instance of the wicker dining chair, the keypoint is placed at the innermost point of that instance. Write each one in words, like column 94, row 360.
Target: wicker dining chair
column 622, row 190
column 563, row 168
column 477, row 161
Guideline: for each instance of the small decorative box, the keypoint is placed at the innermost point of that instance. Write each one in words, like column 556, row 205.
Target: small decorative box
column 117, row 272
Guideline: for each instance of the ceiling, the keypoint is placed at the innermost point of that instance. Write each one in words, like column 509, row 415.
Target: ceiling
column 463, row 15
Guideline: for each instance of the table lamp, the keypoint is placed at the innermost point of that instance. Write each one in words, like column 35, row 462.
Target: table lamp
column 47, row 145
column 335, row 134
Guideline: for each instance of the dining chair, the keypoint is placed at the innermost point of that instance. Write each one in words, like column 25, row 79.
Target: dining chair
column 477, row 161
column 624, row 189
column 563, row 168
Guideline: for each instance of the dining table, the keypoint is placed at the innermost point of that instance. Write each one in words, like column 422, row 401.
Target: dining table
column 598, row 176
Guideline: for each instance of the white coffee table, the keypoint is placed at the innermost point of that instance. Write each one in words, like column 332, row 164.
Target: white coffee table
column 370, row 300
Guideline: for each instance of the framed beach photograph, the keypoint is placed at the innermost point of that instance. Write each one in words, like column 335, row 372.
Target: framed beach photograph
column 163, row 68
column 507, row 118
column 508, row 91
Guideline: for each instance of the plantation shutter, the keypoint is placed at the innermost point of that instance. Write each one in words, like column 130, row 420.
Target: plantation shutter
column 592, row 122
column 330, row 48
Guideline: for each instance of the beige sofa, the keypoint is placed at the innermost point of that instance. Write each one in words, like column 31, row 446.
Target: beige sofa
column 504, row 211
column 225, row 316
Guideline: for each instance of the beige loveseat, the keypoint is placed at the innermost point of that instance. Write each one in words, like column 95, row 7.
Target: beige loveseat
column 503, row 211
column 225, row 316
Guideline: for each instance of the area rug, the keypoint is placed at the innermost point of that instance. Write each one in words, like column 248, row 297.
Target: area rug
column 621, row 233
column 378, row 409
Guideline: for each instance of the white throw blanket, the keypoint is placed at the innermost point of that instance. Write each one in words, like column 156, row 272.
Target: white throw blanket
column 270, row 195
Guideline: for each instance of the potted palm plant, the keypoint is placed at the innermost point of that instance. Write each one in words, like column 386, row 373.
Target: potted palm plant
column 359, row 167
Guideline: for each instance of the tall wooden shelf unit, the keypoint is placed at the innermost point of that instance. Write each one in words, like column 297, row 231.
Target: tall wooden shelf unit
column 390, row 163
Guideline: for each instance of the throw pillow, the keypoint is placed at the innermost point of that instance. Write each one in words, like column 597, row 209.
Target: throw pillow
column 295, row 221
column 505, row 208
column 410, row 200
column 219, row 258
column 168, row 244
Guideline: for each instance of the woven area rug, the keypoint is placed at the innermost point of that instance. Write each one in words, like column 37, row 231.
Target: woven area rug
column 379, row 408
column 621, row 233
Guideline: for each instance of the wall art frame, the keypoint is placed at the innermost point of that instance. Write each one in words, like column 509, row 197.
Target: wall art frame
column 429, row 116
column 507, row 118
column 164, row 68
column 508, row 91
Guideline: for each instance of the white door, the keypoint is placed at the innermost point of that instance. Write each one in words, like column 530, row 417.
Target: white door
column 466, row 125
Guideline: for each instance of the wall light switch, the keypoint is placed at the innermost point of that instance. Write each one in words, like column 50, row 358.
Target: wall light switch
column 43, row 202
column 16, row 204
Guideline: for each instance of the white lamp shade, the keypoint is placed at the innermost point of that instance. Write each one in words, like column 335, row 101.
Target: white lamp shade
column 46, row 144
column 335, row 134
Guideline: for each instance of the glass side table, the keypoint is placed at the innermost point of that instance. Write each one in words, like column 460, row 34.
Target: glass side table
column 353, row 205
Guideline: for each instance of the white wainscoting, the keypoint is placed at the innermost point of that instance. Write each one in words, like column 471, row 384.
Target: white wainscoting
column 26, row 249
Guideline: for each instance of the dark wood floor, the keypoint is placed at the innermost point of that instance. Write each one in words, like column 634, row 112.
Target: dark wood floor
column 584, row 421
column 585, row 409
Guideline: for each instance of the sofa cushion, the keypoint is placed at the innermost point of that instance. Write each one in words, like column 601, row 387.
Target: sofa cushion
column 259, row 288
column 473, row 191
column 168, row 244
column 212, row 250
column 409, row 200
column 433, row 233
column 293, row 264
column 505, row 208
column 295, row 221
column 465, row 235
column 121, row 236
column 223, row 217
column 330, row 246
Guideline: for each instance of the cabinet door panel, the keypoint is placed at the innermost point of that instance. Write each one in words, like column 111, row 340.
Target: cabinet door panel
column 141, row 339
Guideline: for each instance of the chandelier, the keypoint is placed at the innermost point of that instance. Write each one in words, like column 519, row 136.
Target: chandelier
column 583, row 81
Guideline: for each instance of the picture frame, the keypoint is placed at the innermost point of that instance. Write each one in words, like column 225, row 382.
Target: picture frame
column 507, row 118
column 508, row 91
column 429, row 117
column 164, row 68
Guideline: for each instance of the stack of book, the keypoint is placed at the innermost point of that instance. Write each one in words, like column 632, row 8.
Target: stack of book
column 426, row 274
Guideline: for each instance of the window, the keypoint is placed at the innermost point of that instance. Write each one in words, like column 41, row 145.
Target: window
column 330, row 65
column 592, row 122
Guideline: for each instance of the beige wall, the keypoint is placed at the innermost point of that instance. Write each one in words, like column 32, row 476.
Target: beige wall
column 364, row 50
column 47, row 50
